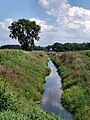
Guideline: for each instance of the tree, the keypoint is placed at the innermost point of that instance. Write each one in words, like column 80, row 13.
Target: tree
column 49, row 47
column 57, row 47
column 26, row 32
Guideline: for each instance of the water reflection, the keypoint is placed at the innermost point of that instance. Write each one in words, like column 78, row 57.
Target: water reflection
column 52, row 94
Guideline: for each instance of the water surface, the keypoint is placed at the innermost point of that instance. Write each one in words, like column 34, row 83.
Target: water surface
column 52, row 94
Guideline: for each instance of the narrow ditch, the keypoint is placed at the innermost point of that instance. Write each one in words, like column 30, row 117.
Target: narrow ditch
column 52, row 94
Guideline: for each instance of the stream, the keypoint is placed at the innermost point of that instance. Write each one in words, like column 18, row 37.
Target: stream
column 52, row 94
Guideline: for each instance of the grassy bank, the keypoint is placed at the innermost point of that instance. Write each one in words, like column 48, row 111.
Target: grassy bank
column 74, row 68
column 22, row 75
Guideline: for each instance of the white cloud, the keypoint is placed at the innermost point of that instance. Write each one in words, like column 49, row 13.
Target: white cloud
column 4, row 32
column 56, row 8
column 72, row 23
column 4, row 24
column 44, row 3
column 46, row 32
column 42, row 23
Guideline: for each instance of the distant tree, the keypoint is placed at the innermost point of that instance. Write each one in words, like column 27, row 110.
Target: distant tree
column 88, row 45
column 10, row 47
column 58, row 47
column 38, row 48
column 49, row 47
column 26, row 32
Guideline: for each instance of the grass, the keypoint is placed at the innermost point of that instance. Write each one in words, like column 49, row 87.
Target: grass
column 22, row 75
column 74, row 68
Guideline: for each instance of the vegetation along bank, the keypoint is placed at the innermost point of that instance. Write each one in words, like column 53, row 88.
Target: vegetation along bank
column 74, row 68
column 22, row 75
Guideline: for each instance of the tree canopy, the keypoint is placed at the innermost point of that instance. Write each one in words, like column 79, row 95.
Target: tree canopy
column 59, row 47
column 26, row 32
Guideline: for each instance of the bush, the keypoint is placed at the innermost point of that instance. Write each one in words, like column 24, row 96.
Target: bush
column 74, row 68
column 6, row 98
column 39, row 114
column 73, row 98
column 34, row 114
column 10, row 115
column 82, row 113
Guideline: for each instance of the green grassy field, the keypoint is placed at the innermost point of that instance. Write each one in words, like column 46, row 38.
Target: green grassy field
column 74, row 68
column 22, row 75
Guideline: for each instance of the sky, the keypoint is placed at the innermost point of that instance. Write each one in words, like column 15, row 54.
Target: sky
column 60, row 20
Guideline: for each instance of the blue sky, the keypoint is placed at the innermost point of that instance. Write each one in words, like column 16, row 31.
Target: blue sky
column 61, row 20
column 16, row 9
column 81, row 3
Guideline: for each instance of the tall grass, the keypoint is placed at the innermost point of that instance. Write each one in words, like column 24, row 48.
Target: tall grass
column 74, row 68
column 22, row 75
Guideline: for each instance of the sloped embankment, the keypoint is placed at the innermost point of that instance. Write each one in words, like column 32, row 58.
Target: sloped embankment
column 74, row 68
column 21, row 85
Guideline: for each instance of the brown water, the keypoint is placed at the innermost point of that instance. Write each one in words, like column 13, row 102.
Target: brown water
column 52, row 95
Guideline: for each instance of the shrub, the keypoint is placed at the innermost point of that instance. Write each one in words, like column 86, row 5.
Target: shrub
column 6, row 98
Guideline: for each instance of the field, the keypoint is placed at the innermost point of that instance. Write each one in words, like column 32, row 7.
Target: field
column 22, row 75
column 74, row 68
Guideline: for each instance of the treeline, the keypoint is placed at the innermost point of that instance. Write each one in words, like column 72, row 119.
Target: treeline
column 19, row 47
column 10, row 47
column 59, row 47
